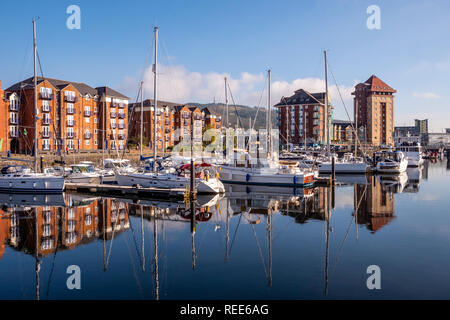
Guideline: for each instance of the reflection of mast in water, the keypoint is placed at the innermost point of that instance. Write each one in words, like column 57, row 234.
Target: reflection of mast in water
column 269, row 235
column 193, row 232
column 104, row 233
column 227, row 229
column 327, row 238
column 155, row 242
column 142, row 235
column 38, row 262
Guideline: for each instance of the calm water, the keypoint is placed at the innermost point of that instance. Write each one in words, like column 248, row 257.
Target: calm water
column 251, row 244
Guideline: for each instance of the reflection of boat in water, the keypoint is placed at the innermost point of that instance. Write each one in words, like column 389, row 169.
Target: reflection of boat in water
column 236, row 190
column 351, row 178
column 414, row 177
column 393, row 183
column 32, row 200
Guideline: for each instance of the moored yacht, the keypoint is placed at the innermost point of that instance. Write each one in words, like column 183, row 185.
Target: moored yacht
column 15, row 179
column 391, row 162
column 83, row 172
column 411, row 148
column 348, row 164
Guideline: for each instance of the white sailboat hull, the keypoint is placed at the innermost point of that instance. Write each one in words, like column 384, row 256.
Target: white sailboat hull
column 168, row 181
column 395, row 169
column 344, row 167
column 242, row 176
column 31, row 183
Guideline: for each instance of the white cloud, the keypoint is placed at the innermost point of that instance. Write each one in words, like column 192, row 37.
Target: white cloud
column 425, row 95
column 177, row 84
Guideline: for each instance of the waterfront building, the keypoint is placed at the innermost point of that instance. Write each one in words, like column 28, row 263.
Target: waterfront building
column 303, row 115
column 342, row 131
column 165, row 123
column 374, row 205
column 70, row 116
column 183, row 117
column 210, row 120
column 374, row 111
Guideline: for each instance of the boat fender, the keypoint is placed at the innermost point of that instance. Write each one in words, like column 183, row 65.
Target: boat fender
column 207, row 177
column 247, row 177
column 295, row 180
column 217, row 175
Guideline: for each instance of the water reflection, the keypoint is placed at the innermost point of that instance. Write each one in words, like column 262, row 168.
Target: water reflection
column 41, row 226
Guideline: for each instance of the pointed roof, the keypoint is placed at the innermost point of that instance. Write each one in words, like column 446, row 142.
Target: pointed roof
column 376, row 84
column 302, row 96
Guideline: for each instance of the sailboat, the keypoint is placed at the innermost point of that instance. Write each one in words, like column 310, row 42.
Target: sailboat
column 205, row 183
column 349, row 163
column 267, row 172
column 19, row 179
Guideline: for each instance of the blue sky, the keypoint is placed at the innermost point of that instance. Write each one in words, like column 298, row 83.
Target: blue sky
column 202, row 41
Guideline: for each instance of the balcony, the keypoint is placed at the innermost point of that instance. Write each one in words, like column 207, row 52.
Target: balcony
column 114, row 104
column 167, row 122
column 14, row 107
column 46, row 96
column 121, row 126
column 71, row 123
column 121, row 115
column 14, row 134
column 46, row 121
column 87, row 113
column 111, row 136
column 70, row 110
column 121, row 105
column 71, row 135
column 87, row 136
column 13, row 120
column 113, row 126
column 71, row 99
column 167, row 130
column 121, row 137
column 45, row 134
column 113, row 114
column 45, row 147
column 45, row 108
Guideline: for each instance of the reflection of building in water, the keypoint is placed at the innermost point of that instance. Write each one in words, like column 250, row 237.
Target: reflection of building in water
column 313, row 206
column 61, row 227
column 374, row 205
column 425, row 170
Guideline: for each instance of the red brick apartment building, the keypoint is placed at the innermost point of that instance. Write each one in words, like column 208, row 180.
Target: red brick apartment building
column 374, row 111
column 165, row 123
column 70, row 116
column 173, row 122
column 303, row 114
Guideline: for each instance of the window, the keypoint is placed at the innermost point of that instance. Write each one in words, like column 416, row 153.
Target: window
column 96, row 142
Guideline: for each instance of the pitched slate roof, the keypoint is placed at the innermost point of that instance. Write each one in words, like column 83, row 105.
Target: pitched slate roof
column 149, row 102
column 110, row 92
column 302, row 96
column 83, row 88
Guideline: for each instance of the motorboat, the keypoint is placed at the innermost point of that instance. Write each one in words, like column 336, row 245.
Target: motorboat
column 83, row 172
column 411, row 148
column 206, row 180
column 20, row 179
column 111, row 166
column 348, row 164
column 391, row 162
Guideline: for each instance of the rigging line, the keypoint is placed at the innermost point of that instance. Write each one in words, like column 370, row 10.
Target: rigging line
column 259, row 102
column 259, row 249
column 348, row 229
column 235, row 232
column 134, row 240
column 53, row 264
column 134, row 268
column 346, row 111
column 234, row 103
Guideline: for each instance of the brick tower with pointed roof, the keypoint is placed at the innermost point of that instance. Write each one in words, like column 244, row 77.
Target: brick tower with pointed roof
column 373, row 107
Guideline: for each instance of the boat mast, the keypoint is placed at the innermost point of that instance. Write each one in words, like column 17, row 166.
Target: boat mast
column 142, row 112
column 268, row 126
column 326, row 105
column 155, row 102
column 35, row 98
column 226, row 103
column 356, row 127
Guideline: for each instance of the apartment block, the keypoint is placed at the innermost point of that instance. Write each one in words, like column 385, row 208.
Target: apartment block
column 342, row 131
column 301, row 116
column 374, row 110
column 186, row 119
column 69, row 116
column 165, row 126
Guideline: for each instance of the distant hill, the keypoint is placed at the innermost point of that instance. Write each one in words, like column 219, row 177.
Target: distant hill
column 245, row 114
